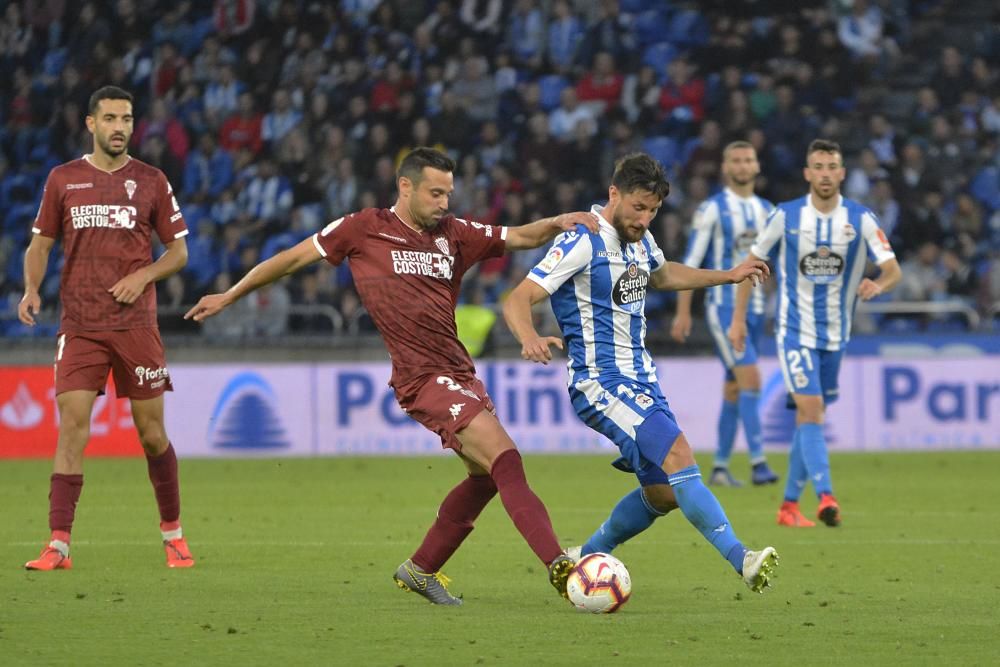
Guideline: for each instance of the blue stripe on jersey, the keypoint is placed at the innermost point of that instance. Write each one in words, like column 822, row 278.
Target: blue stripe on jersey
column 635, row 319
column 793, row 225
column 600, row 298
column 653, row 266
column 723, row 295
column 568, row 315
column 824, row 236
column 854, row 251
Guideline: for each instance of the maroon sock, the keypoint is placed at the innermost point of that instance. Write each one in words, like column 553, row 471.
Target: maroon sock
column 64, row 491
column 524, row 507
column 454, row 521
column 163, row 475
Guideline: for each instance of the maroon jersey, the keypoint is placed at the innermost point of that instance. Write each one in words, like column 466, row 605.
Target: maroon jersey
column 106, row 221
column 409, row 283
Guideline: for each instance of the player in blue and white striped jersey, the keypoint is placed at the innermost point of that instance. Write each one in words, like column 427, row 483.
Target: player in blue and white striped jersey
column 724, row 228
column 819, row 243
column 597, row 284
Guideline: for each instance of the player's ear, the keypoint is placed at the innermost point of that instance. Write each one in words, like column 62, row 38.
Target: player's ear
column 405, row 185
column 613, row 194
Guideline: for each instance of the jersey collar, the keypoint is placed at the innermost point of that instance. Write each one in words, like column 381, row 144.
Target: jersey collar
column 86, row 158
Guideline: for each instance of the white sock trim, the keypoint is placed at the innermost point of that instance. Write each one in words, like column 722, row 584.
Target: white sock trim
column 171, row 534
column 60, row 546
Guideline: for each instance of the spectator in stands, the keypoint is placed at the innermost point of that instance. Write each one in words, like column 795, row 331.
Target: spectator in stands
column 161, row 121
column 221, row 98
column 242, row 129
column 602, row 85
column 208, row 172
column 564, row 119
column 951, row 77
column 862, row 177
column 476, row 91
column 641, row 98
column 267, row 197
column 564, row 35
column 280, row 119
column 526, row 34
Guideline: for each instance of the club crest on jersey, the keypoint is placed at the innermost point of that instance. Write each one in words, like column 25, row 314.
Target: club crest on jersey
column 442, row 245
column 130, row 187
column 850, row 232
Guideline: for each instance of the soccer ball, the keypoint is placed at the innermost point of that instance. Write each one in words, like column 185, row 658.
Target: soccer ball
column 599, row 584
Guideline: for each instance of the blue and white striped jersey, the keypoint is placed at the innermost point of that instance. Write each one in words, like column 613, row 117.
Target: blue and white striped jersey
column 821, row 259
column 598, row 287
column 724, row 227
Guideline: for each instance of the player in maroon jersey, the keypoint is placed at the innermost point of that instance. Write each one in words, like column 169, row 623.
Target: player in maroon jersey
column 408, row 262
column 105, row 206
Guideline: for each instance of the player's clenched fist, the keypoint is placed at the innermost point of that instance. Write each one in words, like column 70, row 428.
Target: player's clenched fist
column 756, row 270
column 537, row 349
column 207, row 306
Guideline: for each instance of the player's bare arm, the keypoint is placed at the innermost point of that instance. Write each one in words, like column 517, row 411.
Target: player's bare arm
column 737, row 332
column 284, row 263
column 36, row 259
column 680, row 329
column 677, row 276
column 130, row 288
column 889, row 276
column 542, row 231
column 517, row 314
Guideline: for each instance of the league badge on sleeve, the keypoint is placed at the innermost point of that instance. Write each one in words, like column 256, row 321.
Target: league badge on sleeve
column 551, row 260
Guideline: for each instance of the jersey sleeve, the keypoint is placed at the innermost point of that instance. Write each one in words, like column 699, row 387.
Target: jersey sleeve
column 879, row 248
column 570, row 253
column 701, row 233
column 766, row 245
column 167, row 219
column 48, row 221
column 341, row 238
column 479, row 241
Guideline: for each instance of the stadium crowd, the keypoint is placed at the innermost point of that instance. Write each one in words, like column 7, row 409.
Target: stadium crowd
column 272, row 117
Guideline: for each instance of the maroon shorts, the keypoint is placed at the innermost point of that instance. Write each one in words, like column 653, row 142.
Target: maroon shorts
column 446, row 405
column 134, row 356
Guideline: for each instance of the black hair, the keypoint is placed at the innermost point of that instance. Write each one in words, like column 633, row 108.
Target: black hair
column 638, row 171
column 823, row 146
column 412, row 166
column 107, row 93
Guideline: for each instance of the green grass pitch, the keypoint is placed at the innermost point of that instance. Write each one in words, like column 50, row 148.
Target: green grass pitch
column 295, row 559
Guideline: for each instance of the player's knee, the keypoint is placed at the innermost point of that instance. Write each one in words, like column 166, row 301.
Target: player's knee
column 731, row 392
column 660, row 497
column 152, row 437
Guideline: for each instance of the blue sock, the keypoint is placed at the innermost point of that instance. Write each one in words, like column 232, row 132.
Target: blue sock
column 797, row 474
column 701, row 508
column 814, row 454
column 728, row 418
column 750, row 415
column 632, row 515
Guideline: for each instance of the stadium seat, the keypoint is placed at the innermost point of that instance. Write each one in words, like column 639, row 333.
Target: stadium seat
column 662, row 149
column 688, row 28
column 651, row 26
column 658, row 56
column 550, row 88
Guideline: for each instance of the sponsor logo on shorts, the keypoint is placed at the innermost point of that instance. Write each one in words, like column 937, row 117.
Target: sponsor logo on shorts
column 800, row 380
column 156, row 377
column 643, row 401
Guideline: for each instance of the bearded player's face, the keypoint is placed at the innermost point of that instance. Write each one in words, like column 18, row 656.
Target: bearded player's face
column 111, row 125
column 429, row 201
column 634, row 213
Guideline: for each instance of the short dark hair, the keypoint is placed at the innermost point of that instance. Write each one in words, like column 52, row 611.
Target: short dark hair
column 734, row 145
column 638, row 171
column 412, row 166
column 107, row 93
column 823, row 146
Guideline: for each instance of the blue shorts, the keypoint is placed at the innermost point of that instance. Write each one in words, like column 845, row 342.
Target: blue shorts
column 719, row 318
column 633, row 415
column 810, row 372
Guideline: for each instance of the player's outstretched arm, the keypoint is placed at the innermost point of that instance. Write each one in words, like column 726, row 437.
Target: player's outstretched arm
column 517, row 314
column 36, row 259
column 131, row 287
column 677, row 276
column 889, row 276
column 540, row 232
column 286, row 262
